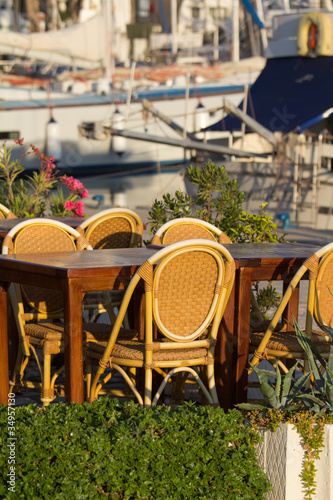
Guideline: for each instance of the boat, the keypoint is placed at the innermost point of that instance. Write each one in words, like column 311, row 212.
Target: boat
column 81, row 118
column 67, row 117
column 82, row 107
column 286, row 122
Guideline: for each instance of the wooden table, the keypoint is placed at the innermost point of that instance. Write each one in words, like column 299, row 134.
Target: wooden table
column 74, row 273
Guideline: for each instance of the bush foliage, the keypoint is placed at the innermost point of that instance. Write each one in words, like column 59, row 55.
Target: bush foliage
column 218, row 200
column 110, row 450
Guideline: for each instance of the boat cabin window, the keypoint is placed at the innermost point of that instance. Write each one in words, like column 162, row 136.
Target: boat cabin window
column 11, row 135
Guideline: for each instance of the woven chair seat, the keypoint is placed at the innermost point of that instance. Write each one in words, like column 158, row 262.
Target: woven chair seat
column 135, row 350
column 91, row 331
column 287, row 341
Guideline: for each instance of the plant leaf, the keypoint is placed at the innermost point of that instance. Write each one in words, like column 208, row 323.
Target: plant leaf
column 287, row 384
column 266, row 388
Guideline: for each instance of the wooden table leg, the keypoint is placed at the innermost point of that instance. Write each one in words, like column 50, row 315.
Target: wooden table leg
column 292, row 307
column 13, row 340
column 224, row 356
column 73, row 341
column 4, row 368
column 242, row 332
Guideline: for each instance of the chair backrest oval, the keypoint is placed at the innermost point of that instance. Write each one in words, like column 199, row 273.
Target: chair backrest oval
column 113, row 228
column 5, row 213
column 323, row 310
column 188, row 228
column 43, row 238
column 184, row 291
column 191, row 281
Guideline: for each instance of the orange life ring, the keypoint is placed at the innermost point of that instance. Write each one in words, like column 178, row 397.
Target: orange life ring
column 321, row 34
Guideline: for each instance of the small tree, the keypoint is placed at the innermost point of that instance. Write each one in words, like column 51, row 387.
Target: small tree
column 218, row 201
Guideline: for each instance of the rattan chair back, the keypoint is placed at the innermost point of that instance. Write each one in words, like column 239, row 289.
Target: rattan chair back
column 5, row 213
column 188, row 228
column 113, row 228
column 186, row 289
column 43, row 235
column 323, row 310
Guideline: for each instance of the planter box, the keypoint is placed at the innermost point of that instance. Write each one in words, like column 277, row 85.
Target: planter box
column 281, row 457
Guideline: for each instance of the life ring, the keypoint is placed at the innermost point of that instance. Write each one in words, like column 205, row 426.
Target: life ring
column 321, row 37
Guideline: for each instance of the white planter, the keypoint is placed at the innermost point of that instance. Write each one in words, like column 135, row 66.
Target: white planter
column 281, row 456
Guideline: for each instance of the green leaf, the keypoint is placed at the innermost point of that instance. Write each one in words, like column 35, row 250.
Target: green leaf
column 266, row 388
column 287, row 384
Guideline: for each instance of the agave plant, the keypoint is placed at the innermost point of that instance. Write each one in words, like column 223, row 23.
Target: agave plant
column 285, row 394
column 290, row 394
column 321, row 398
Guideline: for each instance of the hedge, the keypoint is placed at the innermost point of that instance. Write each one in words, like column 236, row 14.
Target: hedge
column 112, row 450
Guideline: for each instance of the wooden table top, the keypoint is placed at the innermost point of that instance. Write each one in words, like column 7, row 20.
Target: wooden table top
column 77, row 264
column 82, row 264
column 258, row 253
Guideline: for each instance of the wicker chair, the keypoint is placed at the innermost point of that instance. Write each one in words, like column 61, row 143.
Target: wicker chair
column 5, row 213
column 185, row 297
column 111, row 228
column 276, row 346
column 38, row 311
column 187, row 228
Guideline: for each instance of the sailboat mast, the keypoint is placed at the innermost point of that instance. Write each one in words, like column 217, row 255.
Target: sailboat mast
column 174, row 30
column 107, row 9
column 235, row 30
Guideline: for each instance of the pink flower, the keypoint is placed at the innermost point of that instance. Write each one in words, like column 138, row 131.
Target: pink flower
column 79, row 212
column 79, row 204
column 50, row 165
column 76, row 185
column 69, row 205
column 84, row 193
column 19, row 141
column 67, row 180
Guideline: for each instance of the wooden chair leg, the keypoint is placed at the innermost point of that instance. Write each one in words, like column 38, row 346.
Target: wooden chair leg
column 47, row 391
column 211, row 383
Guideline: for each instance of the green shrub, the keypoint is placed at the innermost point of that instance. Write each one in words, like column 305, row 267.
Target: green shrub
column 219, row 201
column 111, row 450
